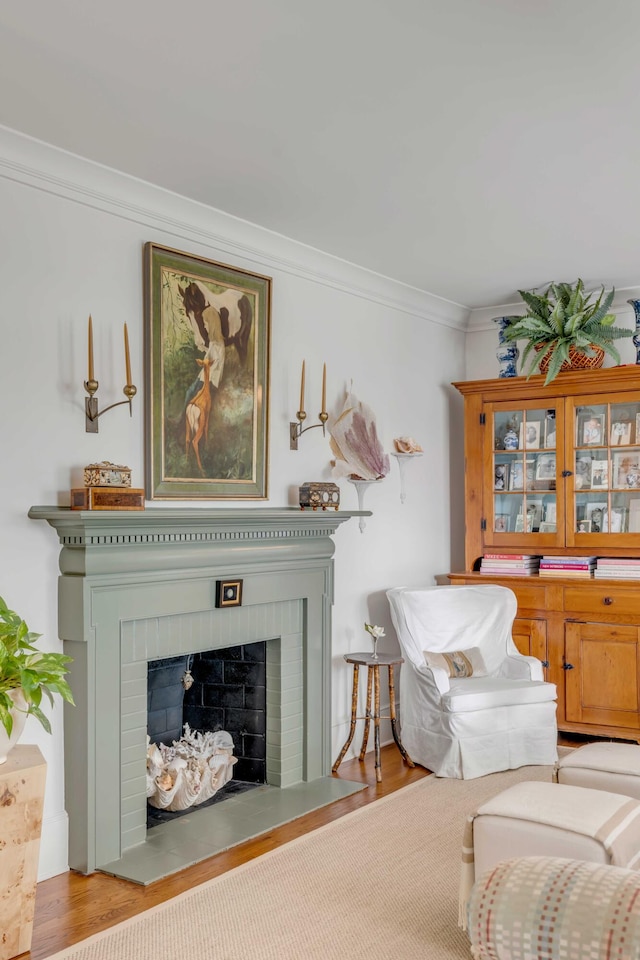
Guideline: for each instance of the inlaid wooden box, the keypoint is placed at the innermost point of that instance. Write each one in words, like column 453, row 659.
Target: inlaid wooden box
column 107, row 498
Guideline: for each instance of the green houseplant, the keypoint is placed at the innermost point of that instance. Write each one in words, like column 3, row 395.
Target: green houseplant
column 563, row 323
column 26, row 673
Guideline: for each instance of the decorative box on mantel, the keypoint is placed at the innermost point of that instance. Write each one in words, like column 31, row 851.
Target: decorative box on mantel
column 107, row 486
column 107, row 474
column 107, row 498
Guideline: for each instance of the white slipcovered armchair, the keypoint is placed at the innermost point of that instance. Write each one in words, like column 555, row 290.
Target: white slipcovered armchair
column 501, row 717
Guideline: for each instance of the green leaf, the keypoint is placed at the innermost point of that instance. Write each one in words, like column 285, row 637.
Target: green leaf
column 537, row 303
column 559, row 355
column 23, row 666
column 39, row 715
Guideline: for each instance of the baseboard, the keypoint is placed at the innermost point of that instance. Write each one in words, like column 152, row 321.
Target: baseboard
column 54, row 854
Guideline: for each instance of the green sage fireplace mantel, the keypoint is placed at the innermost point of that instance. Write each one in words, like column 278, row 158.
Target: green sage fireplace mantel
column 141, row 585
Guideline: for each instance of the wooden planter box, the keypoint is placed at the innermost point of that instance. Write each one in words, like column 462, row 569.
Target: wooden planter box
column 22, row 780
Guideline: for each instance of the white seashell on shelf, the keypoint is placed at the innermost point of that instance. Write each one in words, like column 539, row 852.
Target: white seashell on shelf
column 407, row 445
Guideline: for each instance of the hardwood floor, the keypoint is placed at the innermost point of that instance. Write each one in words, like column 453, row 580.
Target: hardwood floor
column 71, row 907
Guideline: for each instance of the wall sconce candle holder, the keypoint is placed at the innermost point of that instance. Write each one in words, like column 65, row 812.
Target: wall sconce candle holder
column 295, row 426
column 91, row 386
column 296, row 429
column 91, row 404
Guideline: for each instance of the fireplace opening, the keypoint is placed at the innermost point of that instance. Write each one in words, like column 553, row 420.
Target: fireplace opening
column 216, row 690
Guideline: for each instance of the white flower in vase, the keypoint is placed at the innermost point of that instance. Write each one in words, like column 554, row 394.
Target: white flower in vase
column 376, row 633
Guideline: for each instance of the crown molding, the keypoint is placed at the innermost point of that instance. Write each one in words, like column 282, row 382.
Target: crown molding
column 47, row 168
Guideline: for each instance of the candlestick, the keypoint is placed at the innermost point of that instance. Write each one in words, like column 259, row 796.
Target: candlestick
column 302, row 389
column 127, row 359
column 296, row 427
column 90, row 377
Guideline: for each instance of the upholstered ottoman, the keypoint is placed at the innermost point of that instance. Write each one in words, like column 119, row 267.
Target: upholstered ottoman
column 614, row 767
column 555, row 909
column 553, row 820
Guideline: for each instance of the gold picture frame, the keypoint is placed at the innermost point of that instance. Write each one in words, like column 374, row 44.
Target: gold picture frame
column 229, row 593
column 207, row 345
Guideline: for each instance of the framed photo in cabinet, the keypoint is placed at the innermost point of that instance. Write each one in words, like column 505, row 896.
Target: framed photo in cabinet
column 516, row 476
column 530, row 435
column 616, row 521
column 599, row 474
column 550, row 432
column 634, row 516
column 595, row 516
column 534, row 514
column 501, row 476
column 592, row 430
column 620, row 433
column 546, row 466
column 583, row 472
column 626, row 469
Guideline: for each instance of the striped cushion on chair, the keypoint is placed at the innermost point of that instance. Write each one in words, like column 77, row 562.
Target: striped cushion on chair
column 555, row 909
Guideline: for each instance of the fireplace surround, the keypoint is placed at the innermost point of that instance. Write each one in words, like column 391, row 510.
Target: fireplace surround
column 138, row 586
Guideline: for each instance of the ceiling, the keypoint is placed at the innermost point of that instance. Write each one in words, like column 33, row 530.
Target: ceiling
column 465, row 148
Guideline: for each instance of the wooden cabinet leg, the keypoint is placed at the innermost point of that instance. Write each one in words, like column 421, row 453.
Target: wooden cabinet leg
column 392, row 717
column 354, row 711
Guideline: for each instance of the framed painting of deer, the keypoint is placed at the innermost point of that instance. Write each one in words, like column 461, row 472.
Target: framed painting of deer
column 207, row 338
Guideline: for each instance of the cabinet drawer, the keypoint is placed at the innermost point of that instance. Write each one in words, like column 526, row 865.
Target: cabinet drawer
column 621, row 601
column 532, row 596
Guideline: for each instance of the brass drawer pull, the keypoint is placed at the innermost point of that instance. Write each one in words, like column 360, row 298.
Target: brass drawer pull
column 607, row 601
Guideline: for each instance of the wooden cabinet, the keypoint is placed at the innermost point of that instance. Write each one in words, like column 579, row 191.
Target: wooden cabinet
column 603, row 686
column 556, row 470
column 530, row 637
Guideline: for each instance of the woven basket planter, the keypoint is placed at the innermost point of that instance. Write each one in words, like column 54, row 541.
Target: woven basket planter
column 576, row 361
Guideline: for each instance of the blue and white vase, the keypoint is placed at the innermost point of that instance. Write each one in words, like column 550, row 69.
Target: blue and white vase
column 636, row 337
column 507, row 352
column 511, row 440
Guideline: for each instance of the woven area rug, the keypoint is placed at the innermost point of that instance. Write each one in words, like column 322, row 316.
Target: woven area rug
column 379, row 884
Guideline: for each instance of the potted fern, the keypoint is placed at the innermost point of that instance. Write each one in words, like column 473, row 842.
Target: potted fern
column 25, row 674
column 565, row 327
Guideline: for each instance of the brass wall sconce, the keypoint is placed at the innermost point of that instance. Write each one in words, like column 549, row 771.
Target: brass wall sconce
column 91, row 386
column 295, row 426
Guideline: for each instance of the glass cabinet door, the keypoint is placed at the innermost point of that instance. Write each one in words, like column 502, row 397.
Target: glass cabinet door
column 606, row 468
column 525, row 466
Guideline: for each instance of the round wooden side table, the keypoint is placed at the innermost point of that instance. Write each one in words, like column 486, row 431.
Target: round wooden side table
column 373, row 665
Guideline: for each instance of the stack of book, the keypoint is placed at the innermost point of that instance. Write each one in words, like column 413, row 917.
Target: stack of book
column 618, row 568
column 514, row 564
column 568, row 566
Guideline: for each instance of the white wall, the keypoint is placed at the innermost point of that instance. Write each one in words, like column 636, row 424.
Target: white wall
column 71, row 239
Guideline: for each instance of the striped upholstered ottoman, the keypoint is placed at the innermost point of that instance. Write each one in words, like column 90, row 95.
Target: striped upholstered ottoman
column 553, row 820
column 546, row 908
column 614, row 767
